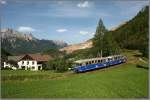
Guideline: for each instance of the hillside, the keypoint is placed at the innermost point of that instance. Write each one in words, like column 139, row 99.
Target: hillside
column 19, row 43
column 134, row 33
column 75, row 47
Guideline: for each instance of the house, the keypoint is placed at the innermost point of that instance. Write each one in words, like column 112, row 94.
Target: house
column 11, row 62
column 27, row 62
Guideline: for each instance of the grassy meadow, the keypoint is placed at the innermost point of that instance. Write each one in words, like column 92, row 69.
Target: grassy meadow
column 128, row 80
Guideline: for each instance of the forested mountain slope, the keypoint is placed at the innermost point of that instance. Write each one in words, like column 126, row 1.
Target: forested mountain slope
column 134, row 34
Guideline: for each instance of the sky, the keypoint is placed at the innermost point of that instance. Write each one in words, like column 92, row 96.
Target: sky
column 71, row 21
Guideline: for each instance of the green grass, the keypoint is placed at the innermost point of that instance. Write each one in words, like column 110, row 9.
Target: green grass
column 129, row 80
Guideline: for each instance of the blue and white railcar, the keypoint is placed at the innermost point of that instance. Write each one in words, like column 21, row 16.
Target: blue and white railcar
column 96, row 63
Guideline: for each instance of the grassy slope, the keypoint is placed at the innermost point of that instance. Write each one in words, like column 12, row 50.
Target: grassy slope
column 129, row 80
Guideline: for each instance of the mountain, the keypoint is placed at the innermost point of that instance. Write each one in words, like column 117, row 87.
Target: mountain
column 72, row 48
column 9, row 33
column 19, row 43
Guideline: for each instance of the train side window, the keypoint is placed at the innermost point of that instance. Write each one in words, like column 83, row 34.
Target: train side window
column 95, row 61
column 117, row 58
column 121, row 57
column 89, row 62
column 113, row 58
column 101, row 61
column 80, row 64
column 92, row 61
column 104, row 60
column 86, row 63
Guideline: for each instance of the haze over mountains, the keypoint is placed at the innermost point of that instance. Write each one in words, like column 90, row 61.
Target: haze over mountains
column 19, row 43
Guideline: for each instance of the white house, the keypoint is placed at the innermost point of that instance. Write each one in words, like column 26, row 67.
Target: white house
column 28, row 62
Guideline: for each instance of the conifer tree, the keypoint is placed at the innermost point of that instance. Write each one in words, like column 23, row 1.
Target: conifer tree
column 104, row 42
column 98, row 38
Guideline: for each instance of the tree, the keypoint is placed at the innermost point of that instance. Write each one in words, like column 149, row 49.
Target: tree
column 98, row 38
column 104, row 43
column 110, row 46
column 59, row 64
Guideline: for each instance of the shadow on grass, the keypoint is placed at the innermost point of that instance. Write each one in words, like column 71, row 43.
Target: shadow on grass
column 137, row 55
column 140, row 66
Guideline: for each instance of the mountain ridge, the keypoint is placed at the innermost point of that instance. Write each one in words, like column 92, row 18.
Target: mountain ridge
column 19, row 43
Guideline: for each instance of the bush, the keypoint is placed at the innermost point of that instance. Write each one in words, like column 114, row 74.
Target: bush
column 2, row 68
column 59, row 64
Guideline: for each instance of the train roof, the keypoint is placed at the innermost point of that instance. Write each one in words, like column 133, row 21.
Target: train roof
column 98, row 58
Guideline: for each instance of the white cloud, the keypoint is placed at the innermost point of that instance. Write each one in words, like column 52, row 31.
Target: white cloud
column 93, row 33
column 61, row 30
column 25, row 29
column 83, row 4
column 2, row 2
column 83, row 32
column 86, row 33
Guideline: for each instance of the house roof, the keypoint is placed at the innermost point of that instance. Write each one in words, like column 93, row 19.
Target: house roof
column 37, row 57
column 14, row 58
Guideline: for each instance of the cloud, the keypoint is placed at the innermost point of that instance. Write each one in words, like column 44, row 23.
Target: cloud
column 2, row 2
column 83, row 4
column 83, row 32
column 127, row 8
column 93, row 33
column 25, row 29
column 61, row 30
column 86, row 33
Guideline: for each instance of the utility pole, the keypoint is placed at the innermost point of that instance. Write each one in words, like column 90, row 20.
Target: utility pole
column 101, row 53
column 102, row 44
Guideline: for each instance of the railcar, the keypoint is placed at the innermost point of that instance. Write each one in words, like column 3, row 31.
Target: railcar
column 97, row 63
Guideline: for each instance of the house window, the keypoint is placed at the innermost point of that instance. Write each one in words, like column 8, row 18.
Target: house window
column 22, row 62
column 32, row 62
column 32, row 67
column 27, row 62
